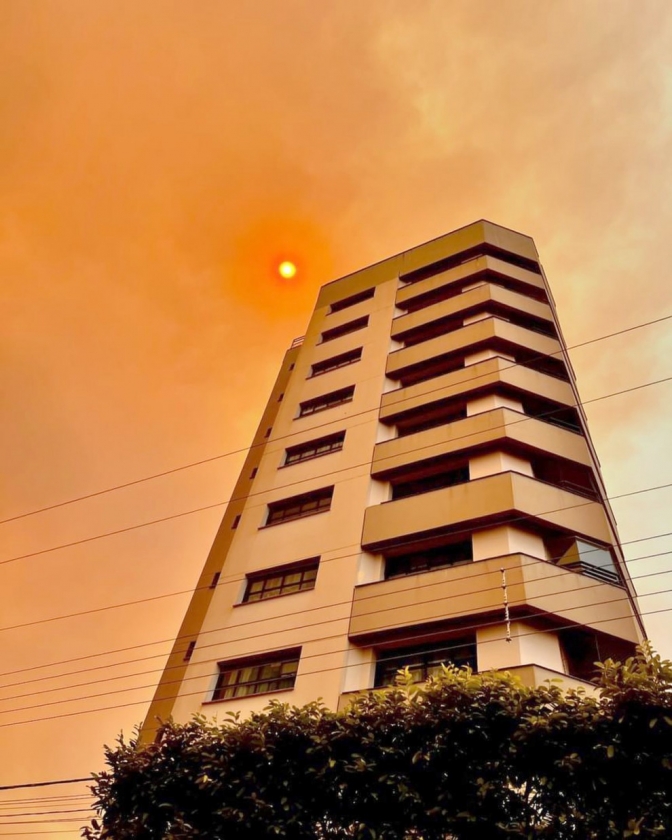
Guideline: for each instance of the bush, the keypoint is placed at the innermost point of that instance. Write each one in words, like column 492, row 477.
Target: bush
column 461, row 757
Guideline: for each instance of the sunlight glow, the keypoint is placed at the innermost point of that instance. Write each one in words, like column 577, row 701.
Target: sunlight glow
column 287, row 269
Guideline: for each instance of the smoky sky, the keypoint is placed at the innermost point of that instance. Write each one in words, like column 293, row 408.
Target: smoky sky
column 159, row 159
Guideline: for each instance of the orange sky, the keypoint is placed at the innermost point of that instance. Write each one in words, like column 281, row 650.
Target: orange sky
column 157, row 159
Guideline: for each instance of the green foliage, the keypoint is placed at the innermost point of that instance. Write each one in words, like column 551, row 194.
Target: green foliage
column 462, row 757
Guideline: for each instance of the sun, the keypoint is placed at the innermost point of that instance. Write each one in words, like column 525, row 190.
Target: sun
column 287, row 269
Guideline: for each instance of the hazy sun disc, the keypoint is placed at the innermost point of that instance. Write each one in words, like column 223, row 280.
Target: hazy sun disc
column 287, row 269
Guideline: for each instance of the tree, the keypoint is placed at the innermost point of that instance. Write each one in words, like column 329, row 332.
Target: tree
column 461, row 757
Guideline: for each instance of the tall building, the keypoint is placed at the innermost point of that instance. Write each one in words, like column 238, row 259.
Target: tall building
column 422, row 488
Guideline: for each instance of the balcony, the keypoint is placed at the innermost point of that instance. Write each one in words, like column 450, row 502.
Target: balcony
column 492, row 499
column 472, row 593
column 479, row 377
column 471, row 300
column 491, row 332
column 448, row 283
column 531, row 675
column 479, row 431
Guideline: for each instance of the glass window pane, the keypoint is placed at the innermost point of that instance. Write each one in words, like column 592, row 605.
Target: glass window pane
column 273, row 582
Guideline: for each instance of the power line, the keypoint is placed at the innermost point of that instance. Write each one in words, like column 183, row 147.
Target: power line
column 406, row 639
column 168, row 668
column 301, row 627
column 242, row 450
column 240, row 578
column 47, row 784
column 347, row 603
column 172, row 639
column 47, row 801
column 249, row 495
column 46, row 822
column 343, row 667
column 47, row 813
column 26, row 833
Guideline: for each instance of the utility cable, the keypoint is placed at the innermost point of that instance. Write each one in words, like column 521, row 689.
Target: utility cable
column 173, row 639
column 231, row 579
column 347, row 603
column 262, row 620
column 241, row 498
column 245, row 449
column 357, row 664
column 46, row 784
column 48, row 813
column 266, row 620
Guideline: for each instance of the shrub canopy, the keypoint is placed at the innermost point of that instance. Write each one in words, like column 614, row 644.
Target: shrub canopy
column 461, row 757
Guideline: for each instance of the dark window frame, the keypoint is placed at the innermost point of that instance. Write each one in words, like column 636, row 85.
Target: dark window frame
column 233, row 682
column 316, row 448
column 422, row 660
column 326, row 401
column 344, row 329
column 299, row 507
column 451, row 476
column 352, row 300
column 457, row 553
column 351, row 357
column 277, row 582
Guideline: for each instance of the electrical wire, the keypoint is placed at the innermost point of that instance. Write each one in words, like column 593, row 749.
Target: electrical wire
column 172, row 639
column 65, row 798
column 406, row 639
column 262, row 620
column 293, row 434
column 265, row 620
column 242, row 577
column 352, row 467
column 247, row 496
column 26, row 833
column 49, row 783
column 348, row 603
column 48, row 813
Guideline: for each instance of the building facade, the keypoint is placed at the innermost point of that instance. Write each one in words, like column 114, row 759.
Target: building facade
column 422, row 488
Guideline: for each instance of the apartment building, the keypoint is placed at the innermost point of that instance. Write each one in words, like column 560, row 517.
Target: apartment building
column 422, row 488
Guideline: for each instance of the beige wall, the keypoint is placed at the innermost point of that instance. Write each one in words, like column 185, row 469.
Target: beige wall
column 316, row 620
column 352, row 608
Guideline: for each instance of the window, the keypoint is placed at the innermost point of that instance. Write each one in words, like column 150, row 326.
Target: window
column 236, row 522
column 426, row 660
column 337, row 305
column 439, row 366
column 314, row 449
column 437, row 481
column 257, row 675
column 189, row 651
column 321, row 403
column 454, row 554
column 215, row 580
column 283, row 580
column 483, row 250
column 336, row 362
column 430, row 418
column 297, row 507
column 580, row 651
column 580, row 556
column 345, row 329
